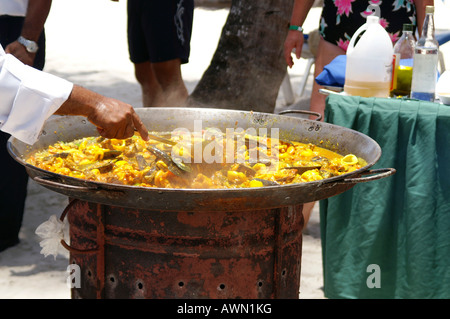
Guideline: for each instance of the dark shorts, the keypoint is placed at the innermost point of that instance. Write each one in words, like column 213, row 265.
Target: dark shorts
column 10, row 29
column 159, row 30
column 341, row 19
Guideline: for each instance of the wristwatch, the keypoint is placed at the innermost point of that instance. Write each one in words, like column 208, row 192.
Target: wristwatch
column 31, row 46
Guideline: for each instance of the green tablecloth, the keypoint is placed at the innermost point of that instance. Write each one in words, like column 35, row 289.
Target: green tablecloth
column 400, row 223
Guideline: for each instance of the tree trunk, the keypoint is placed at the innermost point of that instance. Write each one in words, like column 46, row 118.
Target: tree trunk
column 248, row 66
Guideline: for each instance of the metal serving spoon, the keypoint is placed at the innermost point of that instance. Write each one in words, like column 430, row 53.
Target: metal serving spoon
column 161, row 139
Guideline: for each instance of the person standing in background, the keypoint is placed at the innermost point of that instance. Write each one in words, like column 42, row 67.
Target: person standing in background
column 159, row 35
column 22, row 29
column 22, row 35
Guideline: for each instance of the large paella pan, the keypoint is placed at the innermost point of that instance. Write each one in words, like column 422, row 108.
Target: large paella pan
column 334, row 138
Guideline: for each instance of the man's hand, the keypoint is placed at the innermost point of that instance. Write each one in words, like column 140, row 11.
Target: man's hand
column 21, row 53
column 113, row 118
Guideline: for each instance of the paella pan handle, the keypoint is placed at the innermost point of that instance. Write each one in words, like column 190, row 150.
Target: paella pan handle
column 63, row 242
column 50, row 183
column 319, row 116
column 85, row 189
column 375, row 174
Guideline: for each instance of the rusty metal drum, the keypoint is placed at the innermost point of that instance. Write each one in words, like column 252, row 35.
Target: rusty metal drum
column 132, row 253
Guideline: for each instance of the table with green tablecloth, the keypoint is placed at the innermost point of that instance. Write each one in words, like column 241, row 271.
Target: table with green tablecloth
column 390, row 238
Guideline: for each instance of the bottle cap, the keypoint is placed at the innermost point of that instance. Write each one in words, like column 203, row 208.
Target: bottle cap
column 373, row 19
column 429, row 9
column 408, row 27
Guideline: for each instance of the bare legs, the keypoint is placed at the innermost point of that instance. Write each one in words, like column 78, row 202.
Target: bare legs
column 326, row 52
column 161, row 83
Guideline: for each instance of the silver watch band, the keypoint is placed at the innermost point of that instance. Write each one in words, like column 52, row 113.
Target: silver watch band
column 31, row 46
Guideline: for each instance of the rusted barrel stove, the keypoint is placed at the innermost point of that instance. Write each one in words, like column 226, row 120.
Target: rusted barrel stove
column 134, row 253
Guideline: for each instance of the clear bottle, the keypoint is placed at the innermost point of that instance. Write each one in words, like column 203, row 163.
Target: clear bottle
column 403, row 68
column 425, row 61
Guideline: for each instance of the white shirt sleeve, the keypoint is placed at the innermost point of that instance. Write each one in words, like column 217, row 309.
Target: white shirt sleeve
column 28, row 97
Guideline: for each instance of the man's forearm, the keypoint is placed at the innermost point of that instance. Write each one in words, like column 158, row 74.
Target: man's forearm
column 80, row 102
column 35, row 18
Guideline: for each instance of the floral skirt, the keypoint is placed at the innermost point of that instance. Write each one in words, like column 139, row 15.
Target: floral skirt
column 341, row 18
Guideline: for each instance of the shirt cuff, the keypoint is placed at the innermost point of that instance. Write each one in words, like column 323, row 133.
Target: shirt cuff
column 38, row 96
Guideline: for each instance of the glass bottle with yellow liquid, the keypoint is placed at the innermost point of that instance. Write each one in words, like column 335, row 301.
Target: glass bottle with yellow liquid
column 403, row 56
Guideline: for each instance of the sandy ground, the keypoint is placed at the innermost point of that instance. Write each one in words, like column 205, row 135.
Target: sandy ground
column 86, row 44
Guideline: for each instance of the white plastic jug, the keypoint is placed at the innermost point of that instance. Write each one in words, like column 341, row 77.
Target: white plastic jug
column 369, row 62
